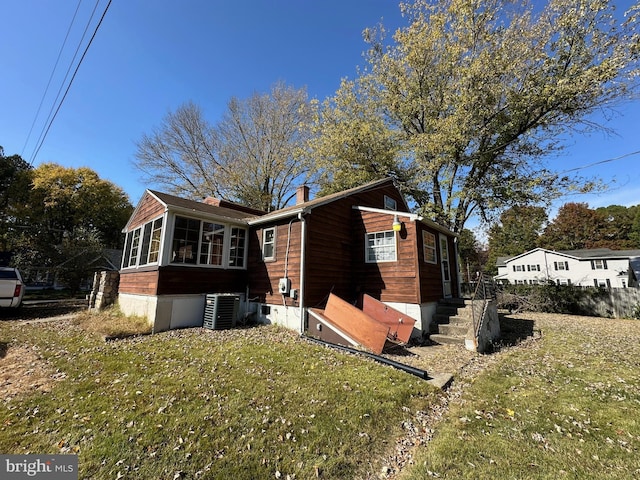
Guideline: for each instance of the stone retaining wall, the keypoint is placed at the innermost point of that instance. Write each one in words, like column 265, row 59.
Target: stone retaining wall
column 105, row 289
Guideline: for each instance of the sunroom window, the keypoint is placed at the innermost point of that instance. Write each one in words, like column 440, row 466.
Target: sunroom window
column 212, row 247
column 381, row 247
column 186, row 234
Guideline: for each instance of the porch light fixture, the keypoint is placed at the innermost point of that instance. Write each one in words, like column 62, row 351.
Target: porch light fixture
column 397, row 226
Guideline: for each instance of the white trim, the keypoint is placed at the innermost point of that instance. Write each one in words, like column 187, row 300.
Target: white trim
column 411, row 216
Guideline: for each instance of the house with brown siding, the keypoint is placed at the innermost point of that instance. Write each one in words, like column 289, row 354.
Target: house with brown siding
column 360, row 241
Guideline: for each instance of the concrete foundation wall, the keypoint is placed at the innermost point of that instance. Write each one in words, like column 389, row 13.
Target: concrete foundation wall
column 280, row 315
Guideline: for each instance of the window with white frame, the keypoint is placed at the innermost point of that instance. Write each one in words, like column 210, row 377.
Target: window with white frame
column 269, row 244
column 237, row 247
column 429, row 247
column 598, row 264
column 199, row 242
column 381, row 247
column 533, row 268
column 142, row 245
column 186, row 236
column 560, row 266
column 212, row 244
column 602, row 283
column 518, row 268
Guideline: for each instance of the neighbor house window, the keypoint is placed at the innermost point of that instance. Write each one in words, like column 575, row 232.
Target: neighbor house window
column 561, row 265
column 518, row 268
column 533, row 268
column 390, row 203
column 211, row 248
column 237, row 247
column 429, row 247
column 605, row 283
column 269, row 244
column 381, row 247
column 598, row 264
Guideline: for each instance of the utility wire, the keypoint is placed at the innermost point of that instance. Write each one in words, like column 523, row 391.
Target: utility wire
column 70, row 82
column 600, row 162
column 55, row 66
column 62, row 84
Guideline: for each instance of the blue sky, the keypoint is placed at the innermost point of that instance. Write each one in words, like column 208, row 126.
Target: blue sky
column 151, row 56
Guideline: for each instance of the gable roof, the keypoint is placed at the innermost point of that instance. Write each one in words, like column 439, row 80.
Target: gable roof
column 186, row 205
column 306, row 207
column 583, row 254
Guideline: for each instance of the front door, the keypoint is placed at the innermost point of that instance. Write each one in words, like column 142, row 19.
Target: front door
column 446, row 268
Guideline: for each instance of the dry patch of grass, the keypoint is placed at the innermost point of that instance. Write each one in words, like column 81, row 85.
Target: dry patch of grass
column 565, row 405
column 111, row 323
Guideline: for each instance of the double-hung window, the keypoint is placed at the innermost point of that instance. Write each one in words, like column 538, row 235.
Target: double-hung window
column 269, row 244
column 381, row 247
column 429, row 247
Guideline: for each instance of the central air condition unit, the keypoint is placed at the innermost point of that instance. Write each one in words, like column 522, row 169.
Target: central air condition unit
column 221, row 311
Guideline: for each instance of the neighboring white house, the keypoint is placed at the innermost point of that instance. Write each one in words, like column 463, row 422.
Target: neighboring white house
column 599, row 267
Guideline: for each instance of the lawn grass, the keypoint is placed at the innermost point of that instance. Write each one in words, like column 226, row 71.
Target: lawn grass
column 248, row 403
column 566, row 406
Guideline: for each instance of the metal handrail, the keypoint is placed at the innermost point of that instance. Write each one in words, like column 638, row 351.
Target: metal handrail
column 484, row 292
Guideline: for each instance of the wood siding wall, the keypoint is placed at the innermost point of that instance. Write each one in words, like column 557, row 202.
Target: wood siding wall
column 264, row 276
column 430, row 273
column 335, row 248
column 148, row 209
column 386, row 281
column 176, row 280
column 139, row 282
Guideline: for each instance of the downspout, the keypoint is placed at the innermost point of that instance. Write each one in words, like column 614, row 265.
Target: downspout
column 303, row 242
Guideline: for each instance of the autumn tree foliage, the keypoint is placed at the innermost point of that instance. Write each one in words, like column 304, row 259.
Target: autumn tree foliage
column 68, row 217
column 470, row 98
column 518, row 231
column 576, row 226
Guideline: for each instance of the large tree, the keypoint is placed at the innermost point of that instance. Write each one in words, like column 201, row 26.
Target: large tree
column 477, row 94
column 576, row 226
column 15, row 178
column 518, row 231
column 253, row 155
column 66, row 207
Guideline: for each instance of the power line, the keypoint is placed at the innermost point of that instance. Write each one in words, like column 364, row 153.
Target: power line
column 44, row 136
column 600, row 162
column 55, row 66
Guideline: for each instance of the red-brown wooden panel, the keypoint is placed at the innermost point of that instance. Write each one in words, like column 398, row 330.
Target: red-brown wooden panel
column 400, row 325
column 357, row 324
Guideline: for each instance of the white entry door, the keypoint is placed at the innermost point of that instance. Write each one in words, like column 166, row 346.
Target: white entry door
column 445, row 265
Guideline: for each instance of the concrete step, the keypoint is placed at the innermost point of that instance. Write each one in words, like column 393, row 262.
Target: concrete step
column 453, row 330
column 455, row 320
column 446, row 339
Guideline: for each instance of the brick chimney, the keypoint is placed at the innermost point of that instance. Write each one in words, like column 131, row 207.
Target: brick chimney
column 302, row 194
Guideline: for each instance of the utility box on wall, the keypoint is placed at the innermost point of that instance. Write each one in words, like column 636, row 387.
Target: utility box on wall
column 284, row 285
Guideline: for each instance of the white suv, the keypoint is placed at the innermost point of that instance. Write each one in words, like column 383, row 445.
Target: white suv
column 11, row 287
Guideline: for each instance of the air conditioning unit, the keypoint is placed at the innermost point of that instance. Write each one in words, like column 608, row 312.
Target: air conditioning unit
column 221, row 311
